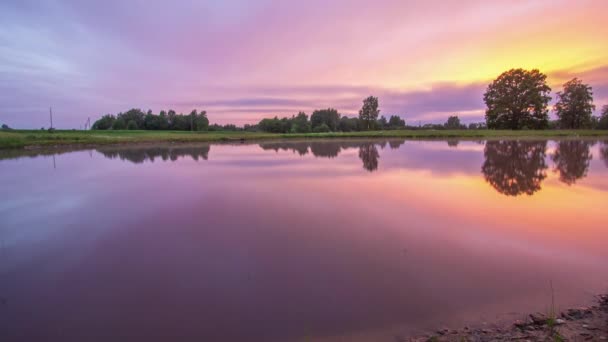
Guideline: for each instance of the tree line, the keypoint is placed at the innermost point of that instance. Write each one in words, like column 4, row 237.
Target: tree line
column 518, row 99
column 136, row 119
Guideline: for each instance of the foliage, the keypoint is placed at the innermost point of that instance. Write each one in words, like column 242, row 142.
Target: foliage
column 5, row 127
column 454, row 123
column 348, row 124
column 106, row 122
column 137, row 119
column 396, row 122
column 322, row 128
column 574, row 106
column 131, row 125
column 275, row 125
column 300, row 123
column 603, row 120
column 518, row 99
column 119, row 124
column 329, row 117
column 369, row 112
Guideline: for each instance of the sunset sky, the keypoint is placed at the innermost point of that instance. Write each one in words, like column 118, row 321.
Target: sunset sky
column 242, row 60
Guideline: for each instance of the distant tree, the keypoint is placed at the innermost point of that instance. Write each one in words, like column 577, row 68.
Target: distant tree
column 106, row 122
column 163, row 120
column 119, row 124
column 322, row 128
column 369, row 112
column 382, row 123
column 572, row 159
column 515, row 167
column 330, row 117
column 137, row 115
column 396, row 122
column 453, row 123
column 518, row 99
column 131, row 125
column 5, row 127
column 300, row 123
column 201, row 122
column 574, row 106
column 603, row 120
column 348, row 124
column 151, row 122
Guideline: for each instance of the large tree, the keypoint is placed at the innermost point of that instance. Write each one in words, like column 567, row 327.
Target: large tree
column 518, row 99
column 369, row 112
column 574, row 105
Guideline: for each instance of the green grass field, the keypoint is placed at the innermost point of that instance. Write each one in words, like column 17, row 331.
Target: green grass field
column 23, row 138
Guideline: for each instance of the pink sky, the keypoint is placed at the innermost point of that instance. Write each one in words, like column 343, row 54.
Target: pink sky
column 242, row 60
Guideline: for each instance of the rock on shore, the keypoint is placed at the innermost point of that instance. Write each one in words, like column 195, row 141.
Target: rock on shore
column 580, row 324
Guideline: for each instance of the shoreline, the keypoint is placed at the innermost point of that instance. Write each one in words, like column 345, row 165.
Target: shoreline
column 32, row 139
column 575, row 324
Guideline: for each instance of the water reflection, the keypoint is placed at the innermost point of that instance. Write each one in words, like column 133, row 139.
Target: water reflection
column 139, row 155
column 289, row 240
column 604, row 152
column 511, row 167
column 515, row 167
column 572, row 159
column 368, row 153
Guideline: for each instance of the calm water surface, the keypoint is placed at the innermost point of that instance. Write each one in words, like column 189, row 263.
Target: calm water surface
column 281, row 241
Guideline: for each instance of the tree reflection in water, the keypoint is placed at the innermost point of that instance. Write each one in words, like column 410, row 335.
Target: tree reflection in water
column 572, row 159
column 604, row 152
column 138, row 155
column 368, row 150
column 515, row 167
column 368, row 153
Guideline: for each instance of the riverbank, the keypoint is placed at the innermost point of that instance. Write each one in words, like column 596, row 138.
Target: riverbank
column 580, row 324
column 36, row 138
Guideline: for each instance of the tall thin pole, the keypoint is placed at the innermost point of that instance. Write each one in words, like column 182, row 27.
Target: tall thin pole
column 51, row 115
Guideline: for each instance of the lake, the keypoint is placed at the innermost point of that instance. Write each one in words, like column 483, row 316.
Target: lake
column 297, row 240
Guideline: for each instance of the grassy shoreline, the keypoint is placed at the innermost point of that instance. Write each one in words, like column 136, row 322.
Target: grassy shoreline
column 19, row 139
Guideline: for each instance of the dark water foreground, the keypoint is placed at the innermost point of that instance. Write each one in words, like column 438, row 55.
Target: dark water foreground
column 323, row 240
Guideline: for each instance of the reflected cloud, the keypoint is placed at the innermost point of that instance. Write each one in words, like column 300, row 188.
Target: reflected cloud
column 571, row 159
column 514, row 168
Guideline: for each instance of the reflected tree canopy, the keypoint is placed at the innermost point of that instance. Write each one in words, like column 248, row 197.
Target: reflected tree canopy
column 141, row 154
column 368, row 153
column 301, row 148
column 453, row 142
column 368, row 150
column 604, row 152
column 395, row 144
column 572, row 159
column 515, row 167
